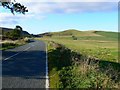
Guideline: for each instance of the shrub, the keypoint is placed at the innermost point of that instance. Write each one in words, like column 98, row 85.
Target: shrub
column 8, row 45
column 74, row 37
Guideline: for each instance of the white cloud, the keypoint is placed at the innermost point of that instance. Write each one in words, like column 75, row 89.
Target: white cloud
column 52, row 6
column 40, row 8
column 86, row 0
column 88, row 7
column 24, row 1
column 8, row 18
column 69, row 7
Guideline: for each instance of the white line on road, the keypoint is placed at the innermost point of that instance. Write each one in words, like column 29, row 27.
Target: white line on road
column 11, row 56
column 17, row 53
column 47, row 77
column 27, row 48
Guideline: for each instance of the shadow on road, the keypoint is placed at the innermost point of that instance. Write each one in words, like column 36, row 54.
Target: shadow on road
column 26, row 65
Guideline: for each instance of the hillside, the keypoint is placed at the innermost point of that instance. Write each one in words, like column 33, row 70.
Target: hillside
column 107, row 34
column 86, row 35
column 94, row 55
column 3, row 30
column 75, row 33
column 67, row 33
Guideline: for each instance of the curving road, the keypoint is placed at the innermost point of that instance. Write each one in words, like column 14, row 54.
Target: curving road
column 25, row 66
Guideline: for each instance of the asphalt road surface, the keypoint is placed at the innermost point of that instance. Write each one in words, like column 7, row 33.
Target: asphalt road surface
column 24, row 66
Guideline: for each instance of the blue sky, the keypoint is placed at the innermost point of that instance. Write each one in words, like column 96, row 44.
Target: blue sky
column 59, row 16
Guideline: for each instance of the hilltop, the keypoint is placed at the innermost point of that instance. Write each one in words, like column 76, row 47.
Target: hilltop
column 85, row 35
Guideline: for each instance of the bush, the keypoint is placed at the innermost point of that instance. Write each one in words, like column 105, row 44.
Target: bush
column 74, row 37
column 8, row 45
column 26, row 39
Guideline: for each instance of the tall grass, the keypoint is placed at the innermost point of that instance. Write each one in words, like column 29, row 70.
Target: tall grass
column 69, row 69
column 8, row 44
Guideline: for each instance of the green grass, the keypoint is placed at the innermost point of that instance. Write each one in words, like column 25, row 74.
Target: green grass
column 106, row 49
column 87, row 35
column 108, row 34
column 53, row 74
column 8, row 46
column 12, row 44
column 92, row 45
column 68, row 69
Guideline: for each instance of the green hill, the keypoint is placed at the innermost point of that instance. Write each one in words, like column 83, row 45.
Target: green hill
column 74, row 32
column 67, row 33
column 107, row 34
column 100, row 46
column 86, row 35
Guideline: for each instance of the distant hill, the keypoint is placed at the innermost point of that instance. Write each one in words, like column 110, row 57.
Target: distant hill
column 44, row 34
column 2, row 30
column 107, row 34
column 86, row 35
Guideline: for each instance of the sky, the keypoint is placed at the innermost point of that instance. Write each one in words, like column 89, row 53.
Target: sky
column 58, row 15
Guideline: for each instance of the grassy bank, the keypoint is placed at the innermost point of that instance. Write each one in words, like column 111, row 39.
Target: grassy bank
column 8, row 44
column 68, row 69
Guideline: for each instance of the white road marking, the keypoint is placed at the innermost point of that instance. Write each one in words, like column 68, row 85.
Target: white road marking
column 17, row 53
column 47, row 77
column 11, row 56
column 27, row 48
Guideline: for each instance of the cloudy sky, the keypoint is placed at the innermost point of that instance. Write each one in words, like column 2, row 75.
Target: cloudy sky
column 58, row 15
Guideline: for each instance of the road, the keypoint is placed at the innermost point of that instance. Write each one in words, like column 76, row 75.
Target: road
column 25, row 66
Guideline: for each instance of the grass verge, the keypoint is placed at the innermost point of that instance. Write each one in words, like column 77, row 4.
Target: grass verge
column 69, row 69
column 8, row 44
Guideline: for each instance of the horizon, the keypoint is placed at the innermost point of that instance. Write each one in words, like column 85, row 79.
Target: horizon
column 58, row 16
column 65, row 30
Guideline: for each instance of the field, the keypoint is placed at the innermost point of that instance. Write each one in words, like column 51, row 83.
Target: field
column 83, row 46
column 98, row 44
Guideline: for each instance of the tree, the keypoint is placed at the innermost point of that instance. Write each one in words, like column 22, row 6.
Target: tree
column 15, row 34
column 18, row 27
column 6, row 35
column 14, row 7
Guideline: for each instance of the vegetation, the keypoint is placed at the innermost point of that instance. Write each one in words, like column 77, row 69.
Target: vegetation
column 14, row 6
column 104, row 47
column 74, row 38
column 14, row 34
column 90, row 62
column 8, row 44
column 68, row 69
column 12, row 38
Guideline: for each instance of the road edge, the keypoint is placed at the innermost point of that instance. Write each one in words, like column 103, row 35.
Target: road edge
column 47, row 77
